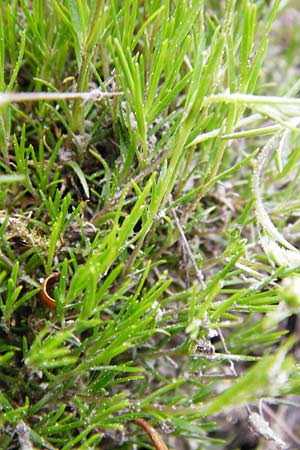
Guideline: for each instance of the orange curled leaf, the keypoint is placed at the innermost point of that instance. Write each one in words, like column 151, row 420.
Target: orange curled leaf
column 45, row 297
column 153, row 434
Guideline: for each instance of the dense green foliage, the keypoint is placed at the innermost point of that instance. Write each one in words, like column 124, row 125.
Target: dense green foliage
column 169, row 206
